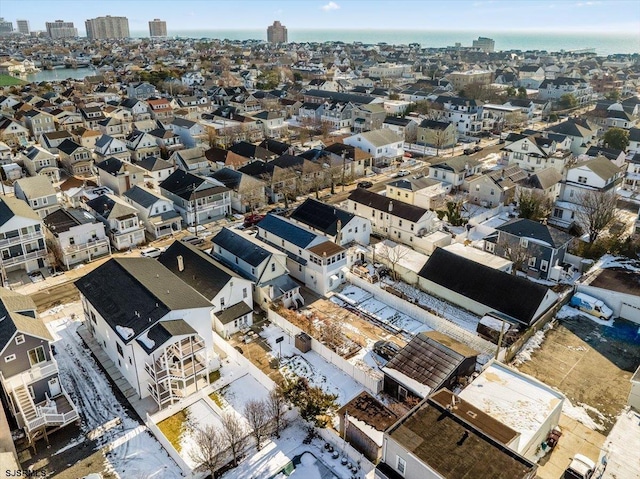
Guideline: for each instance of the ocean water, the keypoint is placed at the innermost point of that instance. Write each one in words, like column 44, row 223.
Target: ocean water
column 604, row 44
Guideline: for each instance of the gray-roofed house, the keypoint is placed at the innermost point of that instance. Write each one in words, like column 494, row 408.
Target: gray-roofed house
column 437, row 134
column 156, row 212
column 536, row 152
column 118, row 175
column 21, row 237
column 247, row 193
column 51, row 140
column 406, row 128
column 384, row 145
column 259, row 262
column 453, row 171
column 190, row 132
column 76, row 236
column 39, row 194
column 419, row 191
column 141, row 145
column 192, row 160
column 198, row 199
column 447, row 437
column 545, row 183
column 429, row 362
column 121, row 220
column 399, row 221
column 76, row 159
column 29, row 373
column 229, row 292
column 495, row 187
column 543, row 246
column 582, row 133
column 153, row 326
column 157, row 169
column 109, row 147
column 38, row 161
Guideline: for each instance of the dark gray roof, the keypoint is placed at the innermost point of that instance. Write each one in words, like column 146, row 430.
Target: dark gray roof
column 161, row 332
column 524, row 228
column 63, row 220
column 504, row 292
column 241, row 247
column 200, row 271
column 189, row 186
column 382, row 203
column 234, row 312
column 136, row 292
column 11, row 206
column 141, row 196
column 227, row 176
column 281, row 228
column 151, row 163
column 321, row 216
column 68, row 146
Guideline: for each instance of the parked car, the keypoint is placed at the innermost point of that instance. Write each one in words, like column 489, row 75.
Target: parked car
column 278, row 211
column 151, row 252
column 468, row 151
column 591, row 305
column 194, row 240
column 477, row 148
column 251, row 220
column 403, row 173
column 365, row 184
column 581, row 467
column 386, row 349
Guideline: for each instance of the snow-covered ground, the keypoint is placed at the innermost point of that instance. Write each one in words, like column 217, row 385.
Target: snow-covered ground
column 569, row 312
column 130, row 449
column 199, row 415
column 312, row 366
column 580, row 412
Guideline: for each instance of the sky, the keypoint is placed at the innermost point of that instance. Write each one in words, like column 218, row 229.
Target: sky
column 606, row 16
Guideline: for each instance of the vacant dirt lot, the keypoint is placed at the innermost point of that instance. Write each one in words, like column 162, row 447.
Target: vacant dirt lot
column 590, row 363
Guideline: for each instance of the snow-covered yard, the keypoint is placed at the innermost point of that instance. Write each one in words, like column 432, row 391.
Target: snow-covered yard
column 312, row 366
column 129, row 448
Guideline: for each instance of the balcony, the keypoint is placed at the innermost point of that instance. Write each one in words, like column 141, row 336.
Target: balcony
column 97, row 243
column 42, row 370
column 4, row 243
column 58, row 411
column 23, row 258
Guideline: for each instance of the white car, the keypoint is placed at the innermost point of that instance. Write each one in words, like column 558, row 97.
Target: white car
column 403, row 173
column 151, row 252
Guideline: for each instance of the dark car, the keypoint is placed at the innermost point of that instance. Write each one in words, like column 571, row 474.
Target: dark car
column 278, row 211
column 468, row 151
column 251, row 220
column 477, row 148
column 194, row 240
column 386, row 349
column 365, row 184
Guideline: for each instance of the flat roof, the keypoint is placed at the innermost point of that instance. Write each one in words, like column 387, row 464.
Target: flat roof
column 618, row 279
column 515, row 399
column 479, row 256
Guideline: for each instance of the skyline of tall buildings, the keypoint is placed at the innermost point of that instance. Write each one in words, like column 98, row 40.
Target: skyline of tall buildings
column 277, row 33
column 23, row 27
column 61, row 29
column 107, row 27
column 157, row 28
column 6, row 27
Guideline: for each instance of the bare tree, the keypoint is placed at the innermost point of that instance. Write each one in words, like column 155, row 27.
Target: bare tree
column 257, row 414
column 515, row 250
column 392, row 253
column 275, row 406
column 596, row 211
column 515, row 119
column 234, row 434
column 533, row 205
column 208, row 449
column 332, row 333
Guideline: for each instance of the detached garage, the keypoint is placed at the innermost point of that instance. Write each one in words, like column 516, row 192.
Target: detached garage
column 619, row 288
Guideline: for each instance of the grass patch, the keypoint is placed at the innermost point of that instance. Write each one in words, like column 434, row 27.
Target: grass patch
column 8, row 80
column 172, row 428
column 214, row 376
column 215, row 397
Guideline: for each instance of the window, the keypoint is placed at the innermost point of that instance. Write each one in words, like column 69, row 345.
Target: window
column 491, row 247
column 524, row 242
column 544, row 265
column 532, row 262
column 221, row 303
column 36, row 356
column 582, row 179
column 20, row 339
column 119, row 348
column 8, row 359
column 273, row 267
column 401, row 466
column 244, row 292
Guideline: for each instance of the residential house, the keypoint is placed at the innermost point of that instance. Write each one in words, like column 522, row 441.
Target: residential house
column 157, row 213
column 109, row 147
column 121, row 220
column 631, row 181
column 453, row 171
column 545, row 183
column 406, row 128
column 167, row 140
column 429, row 362
column 337, row 115
column 191, row 160
column 85, row 137
column 140, row 91
column 22, row 241
column 530, row 76
column 157, row 170
column 359, row 159
column 465, row 114
column 444, row 435
column 13, row 133
column 634, row 140
column 38, row 161
column 190, row 132
column 496, row 117
column 582, row 133
column 51, row 140
column 543, row 246
column 76, row 236
column 29, row 373
column 599, row 175
column 617, row 157
column 497, row 187
column 141, row 145
column 198, row 199
column 481, row 289
column 247, row 193
column 139, row 109
column 368, row 117
column 535, row 152
column 396, row 220
column 119, row 175
column 228, row 292
column 39, row 194
column 38, row 122
column 311, row 258
column 554, row 89
column 384, row 145
column 419, row 191
column 77, row 160
column 338, row 225
column 92, row 116
column 223, row 158
column 160, row 109
column 272, row 122
column 114, row 127
column 153, row 326
column 264, row 265
column 437, row 134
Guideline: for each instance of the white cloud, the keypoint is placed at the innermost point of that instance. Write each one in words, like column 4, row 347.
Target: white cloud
column 330, row 6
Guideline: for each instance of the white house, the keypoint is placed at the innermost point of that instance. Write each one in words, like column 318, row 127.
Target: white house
column 156, row 212
column 535, row 153
column 453, row 171
column 153, row 326
column 383, row 144
column 124, row 228
column 39, row 194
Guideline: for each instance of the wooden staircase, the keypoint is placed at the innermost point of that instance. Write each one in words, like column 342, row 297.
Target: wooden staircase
column 25, row 403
